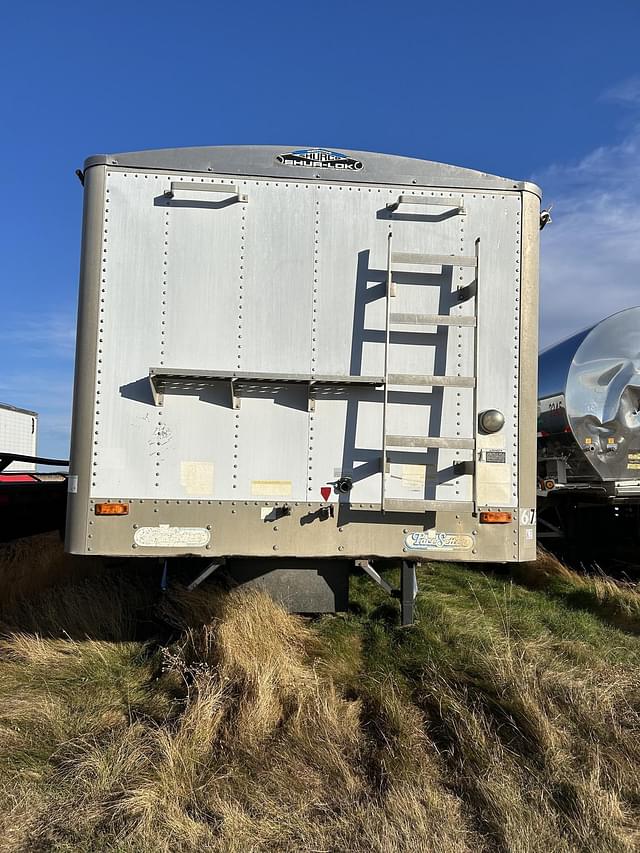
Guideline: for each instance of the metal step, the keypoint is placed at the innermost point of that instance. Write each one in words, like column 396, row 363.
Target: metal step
column 430, row 320
column 404, row 505
column 428, row 441
column 437, row 381
column 433, row 260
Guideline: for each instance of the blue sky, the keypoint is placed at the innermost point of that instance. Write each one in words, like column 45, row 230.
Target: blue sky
column 549, row 92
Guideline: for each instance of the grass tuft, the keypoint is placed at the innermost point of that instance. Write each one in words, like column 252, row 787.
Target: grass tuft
column 506, row 719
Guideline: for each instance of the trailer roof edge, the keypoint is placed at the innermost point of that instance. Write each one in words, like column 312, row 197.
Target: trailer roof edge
column 8, row 408
column 262, row 161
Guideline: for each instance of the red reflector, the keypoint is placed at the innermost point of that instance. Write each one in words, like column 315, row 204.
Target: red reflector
column 325, row 491
column 17, row 478
column 112, row 509
column 495, row 518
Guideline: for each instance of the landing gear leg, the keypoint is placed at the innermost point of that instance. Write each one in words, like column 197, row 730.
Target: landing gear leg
column 408, row 587
column 408, row 592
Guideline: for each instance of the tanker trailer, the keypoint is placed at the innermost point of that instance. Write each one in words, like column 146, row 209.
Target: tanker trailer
column 589, row 432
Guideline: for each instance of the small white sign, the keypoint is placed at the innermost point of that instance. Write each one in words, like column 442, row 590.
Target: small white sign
column 72, row 484
column 527, row 516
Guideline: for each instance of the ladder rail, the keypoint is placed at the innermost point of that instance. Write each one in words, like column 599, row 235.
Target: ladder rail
column 476, row 372
column 385, row 401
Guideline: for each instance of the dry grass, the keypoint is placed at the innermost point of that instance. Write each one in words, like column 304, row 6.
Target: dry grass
column 506, row 719
column 615, row 600
column 30, row 564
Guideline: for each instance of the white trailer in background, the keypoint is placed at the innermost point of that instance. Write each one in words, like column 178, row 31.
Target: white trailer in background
column 18, row 437
column 305, row 354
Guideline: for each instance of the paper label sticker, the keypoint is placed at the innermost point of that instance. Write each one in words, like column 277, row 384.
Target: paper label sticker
column 281, row 488
column 434, row 540
column 496, row 440
column 342, row 472
column 165, row 536
column 197, row 478
column 72, row 484
column 494, row 483
column 413, row 477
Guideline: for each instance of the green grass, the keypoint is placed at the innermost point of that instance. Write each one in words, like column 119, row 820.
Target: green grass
column 506, row 719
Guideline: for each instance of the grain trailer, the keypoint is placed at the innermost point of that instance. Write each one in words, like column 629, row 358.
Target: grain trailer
column 304, row 357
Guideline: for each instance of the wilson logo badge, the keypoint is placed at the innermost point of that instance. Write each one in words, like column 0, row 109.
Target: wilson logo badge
column 434, row 540
column 319, row 158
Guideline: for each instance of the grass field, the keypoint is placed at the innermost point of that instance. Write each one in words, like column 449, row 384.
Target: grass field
column 506, row 719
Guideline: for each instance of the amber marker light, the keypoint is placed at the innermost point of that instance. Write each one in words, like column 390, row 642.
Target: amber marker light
column 495, row 518
column 112, row 509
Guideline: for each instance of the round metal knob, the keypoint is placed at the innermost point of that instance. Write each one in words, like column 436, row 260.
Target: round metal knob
column 491, row 421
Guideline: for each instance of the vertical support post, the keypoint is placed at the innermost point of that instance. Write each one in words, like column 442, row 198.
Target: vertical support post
column 476, row 373
column 408, row 592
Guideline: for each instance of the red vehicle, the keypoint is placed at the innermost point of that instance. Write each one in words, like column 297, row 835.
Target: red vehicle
column 30, row 501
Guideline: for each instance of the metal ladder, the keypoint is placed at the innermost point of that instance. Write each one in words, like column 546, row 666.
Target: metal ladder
column 421, row 380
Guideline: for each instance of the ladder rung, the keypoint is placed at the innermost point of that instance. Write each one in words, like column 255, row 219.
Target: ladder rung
column 431, row 320
column 428, row 441
column 434, row 260
column 404, row 505
column 436, row 381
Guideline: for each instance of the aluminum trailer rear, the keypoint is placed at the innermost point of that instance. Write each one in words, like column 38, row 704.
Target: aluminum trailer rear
column 303, row 353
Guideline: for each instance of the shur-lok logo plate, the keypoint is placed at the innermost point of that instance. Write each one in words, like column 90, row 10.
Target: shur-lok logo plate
column 319, row 158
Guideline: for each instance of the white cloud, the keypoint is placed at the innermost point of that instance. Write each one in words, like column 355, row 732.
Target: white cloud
column 590, row 254
column 627, row 91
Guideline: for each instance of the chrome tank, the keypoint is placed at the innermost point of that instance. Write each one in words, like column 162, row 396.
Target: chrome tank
column 589, row 397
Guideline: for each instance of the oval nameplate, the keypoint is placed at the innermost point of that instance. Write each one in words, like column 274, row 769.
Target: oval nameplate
column 166, row 536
